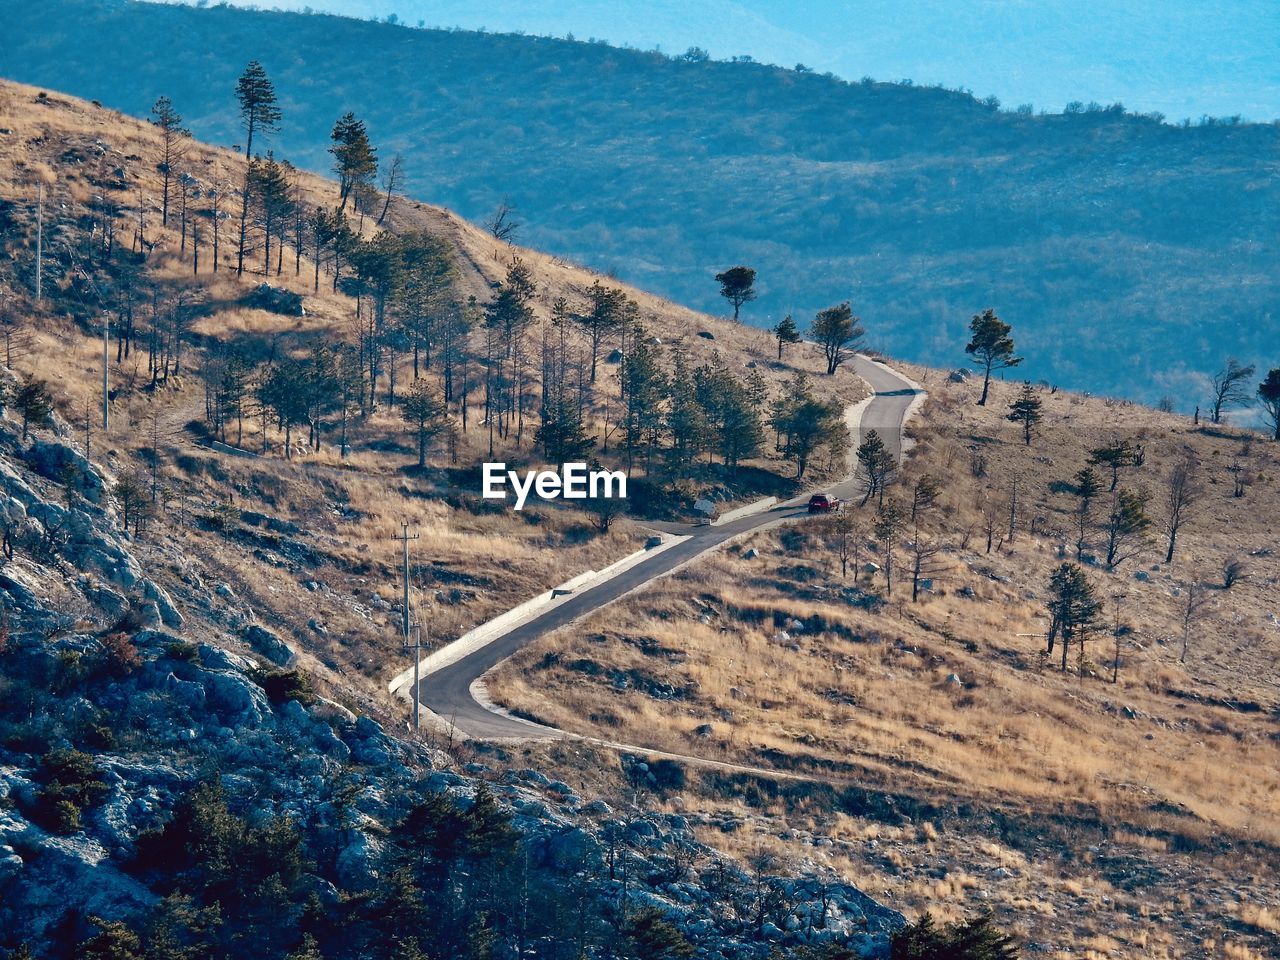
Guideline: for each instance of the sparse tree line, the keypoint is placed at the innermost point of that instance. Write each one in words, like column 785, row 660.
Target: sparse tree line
column 529, row 379
column 1115, row 517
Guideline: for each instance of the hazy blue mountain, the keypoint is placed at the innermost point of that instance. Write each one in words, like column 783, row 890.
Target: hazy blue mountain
column 1132, row 256
column 1182, row 57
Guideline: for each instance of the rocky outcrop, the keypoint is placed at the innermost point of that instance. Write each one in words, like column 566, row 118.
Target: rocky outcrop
column 161, row 714
column 62, row 464
column 269, row 644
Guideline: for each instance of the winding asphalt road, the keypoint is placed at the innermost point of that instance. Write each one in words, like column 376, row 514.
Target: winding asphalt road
column 448, row 692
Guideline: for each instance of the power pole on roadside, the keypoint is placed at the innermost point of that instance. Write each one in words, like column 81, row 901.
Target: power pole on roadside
column 408, row 625
column 1115, row 664
column 39, row 242
column 106, row 347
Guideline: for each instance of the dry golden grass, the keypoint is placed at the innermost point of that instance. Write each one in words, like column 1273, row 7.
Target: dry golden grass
column 470, row 566
column 865, row 698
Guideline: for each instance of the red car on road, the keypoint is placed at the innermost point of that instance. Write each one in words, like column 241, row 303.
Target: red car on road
column 823, row 503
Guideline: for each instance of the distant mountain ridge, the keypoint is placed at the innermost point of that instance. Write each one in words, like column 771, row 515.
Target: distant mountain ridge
column 1131, row 256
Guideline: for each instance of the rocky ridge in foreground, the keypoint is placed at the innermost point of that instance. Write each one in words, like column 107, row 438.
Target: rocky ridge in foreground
column 156, row 782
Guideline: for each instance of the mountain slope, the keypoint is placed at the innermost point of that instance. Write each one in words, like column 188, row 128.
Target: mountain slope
column 1166, row 57
column 1150, row 243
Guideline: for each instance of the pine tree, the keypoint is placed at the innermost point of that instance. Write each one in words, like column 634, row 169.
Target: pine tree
column 786, row 332
column 992, row 346
column 34, row 404
column 686, row 419
column 1116, row 456
column 1025, row 409
column 354, row 158
column 608, row 310
column 426, row 415
column 644, row 390
column 561, row 434
column 259, row 114
column 1087, row 488
column 174, row 145
column 732, row 415
column 810, row 426
column 1126, row 526
column 888, row 528
column 876, row 464
column 1073, row 608
column 838, row 332
column 1269, row 397
column 428, row 276
column 272, row 191
column 737, row 285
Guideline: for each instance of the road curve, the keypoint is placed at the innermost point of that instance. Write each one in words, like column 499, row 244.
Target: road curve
column 448, row 692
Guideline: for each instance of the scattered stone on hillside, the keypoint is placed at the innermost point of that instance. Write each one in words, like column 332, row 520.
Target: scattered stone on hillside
column 58, row 462
column 871, row 567
column 706, row 335
column 268, row 644
column 275, row 300
column 169, row 614
column 1141, row 576
column 224, row 591
column 751, row 554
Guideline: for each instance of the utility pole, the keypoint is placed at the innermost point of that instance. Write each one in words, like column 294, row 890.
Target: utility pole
column 106, row 333
column 1115, row 663
column 39, row 242
column 405, row 536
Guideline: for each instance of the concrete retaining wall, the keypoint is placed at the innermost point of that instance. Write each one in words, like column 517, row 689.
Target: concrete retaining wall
column 500, row 625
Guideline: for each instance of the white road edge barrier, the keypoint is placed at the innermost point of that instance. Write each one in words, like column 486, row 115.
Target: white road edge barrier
column 749, row 510
column 479, row 637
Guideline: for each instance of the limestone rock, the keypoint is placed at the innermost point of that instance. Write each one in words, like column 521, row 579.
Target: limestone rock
column 268, row 644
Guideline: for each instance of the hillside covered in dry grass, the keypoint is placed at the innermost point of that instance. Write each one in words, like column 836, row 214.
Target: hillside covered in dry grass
column 1150, row 238
column 304, row 533
column 946, row 753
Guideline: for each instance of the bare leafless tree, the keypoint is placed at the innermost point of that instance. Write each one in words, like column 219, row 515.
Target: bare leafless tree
column 924, row 552
column 1229, row 388
column 1193, row 604
column 391, row 180
column 1182, row 491
column 502, row 223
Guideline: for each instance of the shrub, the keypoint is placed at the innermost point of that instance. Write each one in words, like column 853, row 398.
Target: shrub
column 281, row 686
column 182, row 652
column 667, row 775
column 976, row 939
column 70, row 782
column 120, row 656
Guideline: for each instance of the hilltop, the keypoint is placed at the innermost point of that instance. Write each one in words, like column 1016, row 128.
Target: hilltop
column 1149, row 241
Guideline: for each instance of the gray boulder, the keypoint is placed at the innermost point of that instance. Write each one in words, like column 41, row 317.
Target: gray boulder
column 58, row 462
column 268, row 644
column 237, row 700
column 164, row 603
column 357, row 863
